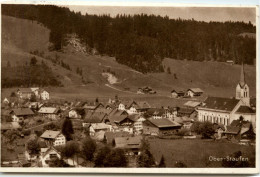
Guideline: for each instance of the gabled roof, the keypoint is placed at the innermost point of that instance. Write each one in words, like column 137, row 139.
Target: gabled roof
column 100, row 126
column 163, row 123
column 245, row 109
column 186, row 110
column 117, row 119
column 155, row 111
column 128, row 142
column 25, row 90
column 46, row 151
column 196, row 90
column 22, row 112
column 104, row 110
column 140, row 105
column 96, row 117
column 48, row 110
column 50, row 134
column 110, row 136
column 192, row 104
column 218, row 103
column 232, row 130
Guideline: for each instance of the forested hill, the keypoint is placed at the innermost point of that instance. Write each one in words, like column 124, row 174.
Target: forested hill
column 142, row 41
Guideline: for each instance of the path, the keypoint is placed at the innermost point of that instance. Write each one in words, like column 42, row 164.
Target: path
column 110, row 86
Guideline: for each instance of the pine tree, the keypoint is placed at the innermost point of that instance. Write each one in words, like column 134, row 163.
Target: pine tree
column 162, row 162
column 67, row 129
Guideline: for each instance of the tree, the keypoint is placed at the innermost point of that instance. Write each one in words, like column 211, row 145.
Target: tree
column 162, row 162
column 145, row 159
column 67, row 129
column 33, row 61
column 180, row 164
column 51, row 126
column 175, row 76
column 70, row 150
column 97, row 101
column 107, row 157
column 101, row 155
column 56, row 162
column 169, row 70
column 33, row 146
column 88, row 148
column 33, row 98
column 13, row 94
column 206, row 130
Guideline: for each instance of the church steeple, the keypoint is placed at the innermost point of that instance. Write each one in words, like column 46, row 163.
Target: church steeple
column 242, row 90
column 242, row 76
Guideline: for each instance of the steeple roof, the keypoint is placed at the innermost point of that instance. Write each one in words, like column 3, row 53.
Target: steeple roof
column 242, row 81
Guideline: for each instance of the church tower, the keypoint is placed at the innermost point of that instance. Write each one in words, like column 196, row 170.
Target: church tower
column 242, row 89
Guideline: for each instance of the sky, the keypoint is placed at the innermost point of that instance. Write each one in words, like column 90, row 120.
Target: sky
column 198, row 13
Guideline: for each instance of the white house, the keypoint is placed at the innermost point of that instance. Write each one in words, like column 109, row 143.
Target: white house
column 53, row 138
column 44, row 95
column 194, row 92
column 49, row 112
column 35, row 90
column 47, row 154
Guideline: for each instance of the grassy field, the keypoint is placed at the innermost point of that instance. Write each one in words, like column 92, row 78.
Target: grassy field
column 195, row 153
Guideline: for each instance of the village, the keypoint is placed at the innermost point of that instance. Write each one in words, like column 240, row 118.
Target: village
column 38, row 132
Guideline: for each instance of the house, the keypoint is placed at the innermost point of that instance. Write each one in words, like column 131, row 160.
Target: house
column 44, row 95
column 176, row 94
column 219, row 130
column 25, row 93
column 49, row 112
column 76, row 113
column 10, row 126
column 171, row 112
column 140, row 91
column 97, row 127
column 159, row 127
column 194, row 92
column 35, row 90
column 231, row 62
column 138, row 122
column 121, row 123
column 187, row 112
column 92, row 106
column 131, row 144
column 53, row 138
column 156, row 113
column 109, row 137
column 95, row 117
column 240, row 129
column 20, row 114
column 6, row 101
column 137, row 107
column 48, row 154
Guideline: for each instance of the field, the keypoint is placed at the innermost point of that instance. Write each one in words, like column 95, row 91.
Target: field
column 195, row 153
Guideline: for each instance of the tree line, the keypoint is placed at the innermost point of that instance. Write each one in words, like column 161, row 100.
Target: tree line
column 141, row 41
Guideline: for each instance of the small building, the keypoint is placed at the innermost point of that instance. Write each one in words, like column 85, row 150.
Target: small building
column 49, row 112
column 194, row 92
column 156, row 113
column 192, row 104
column 53, row 138
column 76, row 113
column 138, row 122
column 25, row 93
column 20, row 114
column 96, row 117
column 187, row 112
column 231, row 62
column 130, row 144
column 109, row 137
column 48, row 154
column 44, row 95
column 176, row 94
column 160, row 127
column 97, row 127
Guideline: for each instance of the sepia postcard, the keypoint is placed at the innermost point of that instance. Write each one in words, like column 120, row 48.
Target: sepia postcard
column 129, row 88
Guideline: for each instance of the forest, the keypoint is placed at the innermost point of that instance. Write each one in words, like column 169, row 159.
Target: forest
column 142, row 41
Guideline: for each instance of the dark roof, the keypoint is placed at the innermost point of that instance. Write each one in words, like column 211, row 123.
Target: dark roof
column 96, row 117
column 163, row 123
column 128, row 142
column 218, row 103
column 155, row 111
column 117, row 119
column 110, row 136
column 23, row 111
column 238, row 123
column 245, row 109
column 104, row 110
column 232, row 130
column 25, row 90
column 196, row 90
column 186, row 110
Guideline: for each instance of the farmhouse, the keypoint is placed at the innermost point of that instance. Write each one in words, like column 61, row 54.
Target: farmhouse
column 187, row 112
column 175, row 94
column 160, row 127
column 130, row 144
column 48, row 154
column 49, row 112
column 156, row 113
column 138, row 122
column 194, row 92
column 53, row 138
column 96, row 117
column 20, row 114
column 25, row 93
column 92, row 106
column 44, row 95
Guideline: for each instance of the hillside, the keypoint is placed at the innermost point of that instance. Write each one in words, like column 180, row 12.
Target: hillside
column 215, row 78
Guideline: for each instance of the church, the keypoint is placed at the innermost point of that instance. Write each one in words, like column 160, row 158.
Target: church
column 225, row 110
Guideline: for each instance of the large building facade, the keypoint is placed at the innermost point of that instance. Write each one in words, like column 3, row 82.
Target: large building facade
column 225, row 110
